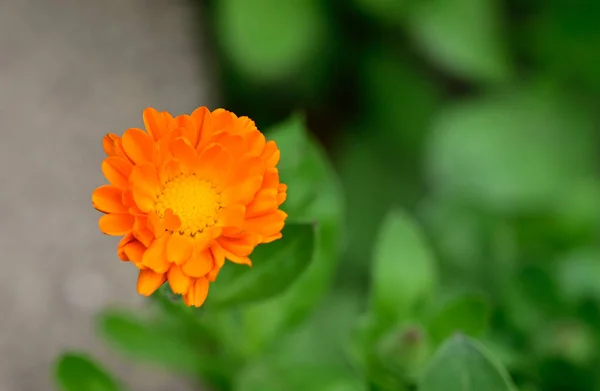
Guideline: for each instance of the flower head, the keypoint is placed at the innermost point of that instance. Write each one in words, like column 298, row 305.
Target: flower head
column 188, row 193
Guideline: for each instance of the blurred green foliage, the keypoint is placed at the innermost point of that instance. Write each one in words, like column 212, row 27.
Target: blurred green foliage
column 446, row 236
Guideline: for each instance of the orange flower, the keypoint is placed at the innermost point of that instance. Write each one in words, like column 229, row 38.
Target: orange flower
column 188, row 193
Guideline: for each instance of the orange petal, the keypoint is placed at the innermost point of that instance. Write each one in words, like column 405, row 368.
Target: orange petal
column 179, row 248
column 241, row 246
column 244, row 192
column 231, row 216
column 145, row 186
column 199, row 264
column 271, row 238
column 138, row 145
column 155, row 123
column 266, row 225
column 182, row 151
column 246, row 124
column 109, row 143
column 264, row 202
column 155, row 256
column 121, row 246
column 197, row 293
column 160, row 152
column 203, row 120
column 270, row 154
column 116, row 224
column 218, row 254
column 203, row 239
column 215, row 164
column 171, row 221
column 144, row 201
column 179, row 281
column 127, row 199
column 156, row 225
column 141, row 230
column 239, row 260
column 135, row 252
column 256, row 143
column 232, row 143
column 108, row 199
column 281, row 194
column 223, row 120
column 270, row 178
column 190, row 128
column 149, row 281
column 168, row 171
column 212, row 275
column 116, row 170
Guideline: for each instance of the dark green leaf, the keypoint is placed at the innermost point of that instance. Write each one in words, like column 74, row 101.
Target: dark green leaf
column 462, row 364
column 78, row 372
column 404, row 271
column 464, row 36
column 275, row 266
column 469, row 314
column 388, row 11
column 149, row 342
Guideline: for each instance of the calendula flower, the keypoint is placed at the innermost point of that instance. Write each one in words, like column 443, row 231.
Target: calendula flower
column 188, row 193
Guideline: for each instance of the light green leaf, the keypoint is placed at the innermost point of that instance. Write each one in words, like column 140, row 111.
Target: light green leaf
column 149, row 342
column 78, row 372
column 404, row 272
column 468, row 314
column 270, row 40
column 464, row 36
column 577, row 275
column 462, row 364
column 275, row 266
column 514, row 151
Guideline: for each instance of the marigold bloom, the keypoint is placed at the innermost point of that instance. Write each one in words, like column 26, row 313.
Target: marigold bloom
column 188, row 193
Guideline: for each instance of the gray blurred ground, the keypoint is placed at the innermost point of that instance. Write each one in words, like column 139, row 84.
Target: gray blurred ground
column 71, row 71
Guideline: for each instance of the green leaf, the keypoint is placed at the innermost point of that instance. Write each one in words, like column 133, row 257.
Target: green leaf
column 149, row 342
column 463, row 36
column 270, row 40
column 404, row 272
column 388, row 11
column 275, row 266
column 78, row 372
column 268, row 376
column 577, row 275
column 469, row 314
column 311, row 357
column 479, row 149
column 462, row 364
column 404, row 351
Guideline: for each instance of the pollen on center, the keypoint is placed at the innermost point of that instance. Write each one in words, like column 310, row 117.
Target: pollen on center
column 194, row 200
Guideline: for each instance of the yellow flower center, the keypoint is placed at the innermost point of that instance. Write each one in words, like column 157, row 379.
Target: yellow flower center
column 195, row 201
